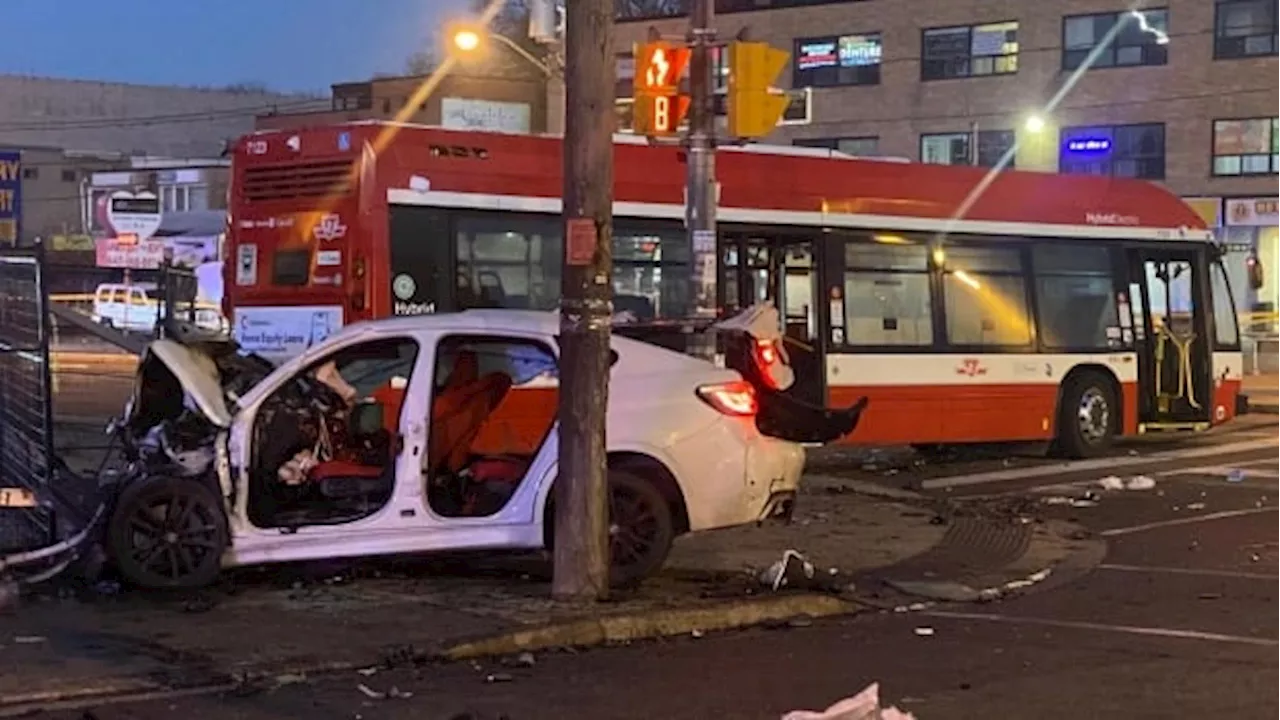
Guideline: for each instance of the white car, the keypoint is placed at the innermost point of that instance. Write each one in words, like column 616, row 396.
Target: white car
column 425, row 433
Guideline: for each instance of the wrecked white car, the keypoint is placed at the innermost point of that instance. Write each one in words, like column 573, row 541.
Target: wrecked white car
column 438, row 432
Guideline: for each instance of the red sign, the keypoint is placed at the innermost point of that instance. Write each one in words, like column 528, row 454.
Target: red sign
column 580, row 247
column 971, row 367
column 132, row 254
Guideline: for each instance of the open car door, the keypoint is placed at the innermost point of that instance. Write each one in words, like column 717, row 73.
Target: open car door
column 754, row 347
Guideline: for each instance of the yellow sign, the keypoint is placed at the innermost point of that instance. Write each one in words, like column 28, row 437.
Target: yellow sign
column 71, row 243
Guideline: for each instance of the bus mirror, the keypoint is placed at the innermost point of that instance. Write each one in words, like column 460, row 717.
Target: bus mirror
column 1255, row 272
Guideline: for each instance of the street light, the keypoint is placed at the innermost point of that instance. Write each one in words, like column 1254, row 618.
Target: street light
column 1034, row 124
column 468, row 40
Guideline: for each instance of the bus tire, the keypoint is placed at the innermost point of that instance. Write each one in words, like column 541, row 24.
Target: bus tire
column 1087, row 416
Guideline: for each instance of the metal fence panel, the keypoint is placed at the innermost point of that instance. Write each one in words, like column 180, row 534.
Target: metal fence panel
column 26, row 418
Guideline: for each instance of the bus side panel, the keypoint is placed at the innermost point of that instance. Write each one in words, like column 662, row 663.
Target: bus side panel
column 952, row 398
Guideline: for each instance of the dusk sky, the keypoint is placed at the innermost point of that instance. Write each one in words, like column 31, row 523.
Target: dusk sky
column 286, row 44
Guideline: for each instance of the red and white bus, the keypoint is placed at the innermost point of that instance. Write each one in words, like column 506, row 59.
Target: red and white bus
column 1059, row 307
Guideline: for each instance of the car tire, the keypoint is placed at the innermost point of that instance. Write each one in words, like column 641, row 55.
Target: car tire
column 634, row 491
column 1086, row 416
column 641, row 528
column 167, row 533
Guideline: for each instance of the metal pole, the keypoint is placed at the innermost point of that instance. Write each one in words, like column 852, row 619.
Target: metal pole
column 700, row 200
column 973, row 143
column 581, row 549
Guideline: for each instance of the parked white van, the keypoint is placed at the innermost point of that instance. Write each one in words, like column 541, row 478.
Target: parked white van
column 137, row 308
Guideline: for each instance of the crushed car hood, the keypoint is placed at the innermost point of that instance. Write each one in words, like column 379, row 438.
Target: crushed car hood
column 198, row 375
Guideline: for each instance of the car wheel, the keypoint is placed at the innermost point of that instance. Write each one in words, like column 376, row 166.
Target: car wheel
column 641, row 528
column 1086, row 417
column 168, row 533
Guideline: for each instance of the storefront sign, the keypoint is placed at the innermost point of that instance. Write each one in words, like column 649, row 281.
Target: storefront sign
column 1208, row 208
column 280, row 333
column 1254, row 212
column 132, row 253
column 10, row 196
column 135, row 214
column 71, row 243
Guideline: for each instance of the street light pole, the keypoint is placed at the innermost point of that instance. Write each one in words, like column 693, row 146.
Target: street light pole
column 581, row 550
column 700, row 200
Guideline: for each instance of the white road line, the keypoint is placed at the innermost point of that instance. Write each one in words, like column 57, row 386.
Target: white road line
column 1126, row 629
column 1188, row 571
column 1185, row 521
column 1095, row 464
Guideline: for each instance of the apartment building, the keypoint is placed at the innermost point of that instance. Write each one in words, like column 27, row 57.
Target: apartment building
column 1185, row 94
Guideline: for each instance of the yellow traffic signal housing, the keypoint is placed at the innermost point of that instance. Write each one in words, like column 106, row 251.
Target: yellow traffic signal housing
column 659, row 107
column 754, row 106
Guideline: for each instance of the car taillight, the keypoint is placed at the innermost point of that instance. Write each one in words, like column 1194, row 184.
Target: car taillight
column 736, row 398
column 766, row 357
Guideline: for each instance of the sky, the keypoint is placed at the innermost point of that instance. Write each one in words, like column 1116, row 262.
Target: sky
column 288, row 45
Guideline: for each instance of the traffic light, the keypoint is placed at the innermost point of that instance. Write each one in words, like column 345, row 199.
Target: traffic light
column 659, row 106
column 754, row 106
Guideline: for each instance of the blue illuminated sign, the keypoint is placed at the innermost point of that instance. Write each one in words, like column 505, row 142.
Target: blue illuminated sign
column 1089, row 145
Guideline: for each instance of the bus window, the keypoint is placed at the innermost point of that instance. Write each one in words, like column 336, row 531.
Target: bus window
column 510, row 261
column 1075, row 295
column 887, row 299
column 986, row 297
column 651, row 271
column 1226, row 333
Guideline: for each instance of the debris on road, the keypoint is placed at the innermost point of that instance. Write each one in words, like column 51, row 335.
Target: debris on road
column 1137, row 482
column 1195, row 506
column 791, row 570
column 863, row 706
column 924, row 631
column 1235, row 475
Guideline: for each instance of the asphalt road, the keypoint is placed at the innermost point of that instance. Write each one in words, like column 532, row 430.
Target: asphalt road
column 1180, row 620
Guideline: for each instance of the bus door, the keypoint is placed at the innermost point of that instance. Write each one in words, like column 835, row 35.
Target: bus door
column 784, row 270
column 1170, row 334
column 795, row 273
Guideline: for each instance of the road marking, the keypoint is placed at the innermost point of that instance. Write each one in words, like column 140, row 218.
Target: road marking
column 1185, row 521
column 1126, row 629
column 1095, row 464
column 1189, row 571
column 1224, row 471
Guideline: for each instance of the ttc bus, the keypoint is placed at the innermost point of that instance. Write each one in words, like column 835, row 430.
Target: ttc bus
column 1063, row 308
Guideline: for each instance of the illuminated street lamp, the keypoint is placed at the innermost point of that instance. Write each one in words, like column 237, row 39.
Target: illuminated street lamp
column 468, row 40
column 1034, row 124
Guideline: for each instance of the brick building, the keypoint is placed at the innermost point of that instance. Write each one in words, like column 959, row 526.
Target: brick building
column 508, row 97
column 1185, row 95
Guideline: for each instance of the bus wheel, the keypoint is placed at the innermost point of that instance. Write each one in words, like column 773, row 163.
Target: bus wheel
column 1086, row 417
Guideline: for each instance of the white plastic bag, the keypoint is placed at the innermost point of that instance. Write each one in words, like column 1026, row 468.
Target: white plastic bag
column 863, row 706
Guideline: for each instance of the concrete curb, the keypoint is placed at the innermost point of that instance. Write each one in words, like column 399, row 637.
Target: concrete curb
column 611, row 629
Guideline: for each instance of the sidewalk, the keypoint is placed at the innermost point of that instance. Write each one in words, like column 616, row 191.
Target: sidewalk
column 1263, row 392
column 278, row 622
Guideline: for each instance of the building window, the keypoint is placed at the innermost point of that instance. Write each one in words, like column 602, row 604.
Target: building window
column 30, row 173
column 956, row 148
column 1139, row 42
column 887, row 296
column 856, row 146
column 957, row 52
column 838, row 60
column 1133, row 151
column 183, row 198
column 985, row 296
column 69, row 176
column 1245, row 147
column 1244, row 28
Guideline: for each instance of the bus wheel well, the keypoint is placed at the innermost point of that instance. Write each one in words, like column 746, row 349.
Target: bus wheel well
column 1117, row 418
column 645, row 466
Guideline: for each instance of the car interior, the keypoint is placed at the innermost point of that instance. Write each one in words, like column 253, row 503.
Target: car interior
column 325, row 443
column 494, row 402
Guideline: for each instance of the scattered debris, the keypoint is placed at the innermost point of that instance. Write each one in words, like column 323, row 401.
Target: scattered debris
column 368, row 672
column 924, row 631
column 290, row 679
column 1235, row 475
column 792, row 569
column 526, row 659
column 1195, row 506
column 863, row 706
column 1083, row 503
column 499, row 678
column 370, row 692
column 696, row 634
column 800, row 621
column 28, row 639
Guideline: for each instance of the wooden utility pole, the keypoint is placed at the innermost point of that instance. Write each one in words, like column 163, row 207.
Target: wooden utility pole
column 581, row 553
